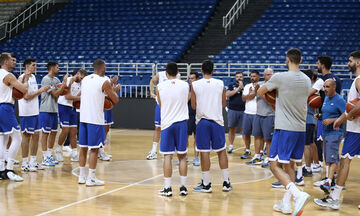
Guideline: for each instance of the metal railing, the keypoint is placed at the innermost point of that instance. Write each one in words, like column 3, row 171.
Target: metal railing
column 3, row 30
column 13, row 26
column 233, row 14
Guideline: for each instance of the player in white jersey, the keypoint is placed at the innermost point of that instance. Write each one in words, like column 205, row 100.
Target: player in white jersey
column 159, row 77
column 92, row 123
column 208, row 98
column 68, row 116
column 351, row 146
column 8, row 123
column 29, row 117
column 172, row 96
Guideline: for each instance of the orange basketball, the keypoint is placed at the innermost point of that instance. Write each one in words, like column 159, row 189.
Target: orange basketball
column 314, row 101
column 108, row 104
column 16, row 94
column 65, row 90
column 76, row 104
column 350, row 105
column 270, row 97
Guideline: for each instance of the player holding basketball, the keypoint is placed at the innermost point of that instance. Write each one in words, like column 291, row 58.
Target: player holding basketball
column 293, row 88
column 9, row 126
column 351, row 146
column 159, row 77
column 208, row 98
column 92, row 123
column 172, row 96
column 29, row 117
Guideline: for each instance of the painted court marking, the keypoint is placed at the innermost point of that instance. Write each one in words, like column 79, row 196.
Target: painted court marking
column 119, row 189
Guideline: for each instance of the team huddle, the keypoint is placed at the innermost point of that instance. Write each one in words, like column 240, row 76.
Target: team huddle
column 276, row 112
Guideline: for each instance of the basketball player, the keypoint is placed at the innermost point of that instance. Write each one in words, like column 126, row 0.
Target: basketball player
column 48, row 112
column 236, row 107
column 68, row 116
column 208, row 98
column 29, row 117
column 351, row 146
column 92, row 121
column 249, row 95
column 159, row 77
column 172, row 96
column 9, row 126
column 293, row 88
column 263, row 124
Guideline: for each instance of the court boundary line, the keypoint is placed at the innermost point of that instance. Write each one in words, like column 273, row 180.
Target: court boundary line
column 112, row 191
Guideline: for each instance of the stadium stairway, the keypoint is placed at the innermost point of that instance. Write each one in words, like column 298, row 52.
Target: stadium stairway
column 213, row 40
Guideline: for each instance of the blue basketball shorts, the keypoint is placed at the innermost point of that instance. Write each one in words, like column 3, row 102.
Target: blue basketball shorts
column 30, row 124
column 48, row 121
column 91, row 135
column 174, row 138
column 210, row 135
column 67, row 116
column 108, row 114
column 8, row 122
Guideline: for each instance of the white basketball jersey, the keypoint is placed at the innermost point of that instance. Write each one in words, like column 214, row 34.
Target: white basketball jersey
column 92, row 100
column 30, row 107
column 174, row 102
column 354, row 125
column 163, row 78
column 6, row 91
column 74, row 91
column 209, row 100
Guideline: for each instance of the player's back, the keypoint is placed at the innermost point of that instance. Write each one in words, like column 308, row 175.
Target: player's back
column 174, row 98
column 209, row 94
column 92, row 100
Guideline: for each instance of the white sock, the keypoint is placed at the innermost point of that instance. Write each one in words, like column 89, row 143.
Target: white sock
column 247, row 150
column 225, row 173
column 32, row 159
column 101, row 150
column 2, row 164
column 231, row 146
column 91, row 173
column 24, row 160
column 308, row 168
column 327, row 171
column 293, row 189
column 82, row 171
column 337, row 192
column 168, row 182
column 287, row 197
column 10, row 164
column 299, row 172
column 44, row 154
column 261, row 152
column 58, row 148
column 154, row 147
column 74, row 151
column 49, row 152
column 206, row 177
column 257, row 156
column 6, row 153
column 182, row 181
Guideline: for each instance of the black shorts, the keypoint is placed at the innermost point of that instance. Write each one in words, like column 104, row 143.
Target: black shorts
column 310, row 132
column 191, row 125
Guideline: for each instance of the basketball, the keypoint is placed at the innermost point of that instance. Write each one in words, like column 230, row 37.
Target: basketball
column 76, row 104
column 350, row 105
column 314, row 101
column 108, row 104
column 65, row 91
column 16, row 94
column 270, row 97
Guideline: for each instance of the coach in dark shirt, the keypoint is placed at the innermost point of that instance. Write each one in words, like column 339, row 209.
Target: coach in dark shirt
column 236, row 107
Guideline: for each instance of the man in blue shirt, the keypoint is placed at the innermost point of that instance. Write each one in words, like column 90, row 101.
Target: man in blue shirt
column 236, row 107
column 333, row 107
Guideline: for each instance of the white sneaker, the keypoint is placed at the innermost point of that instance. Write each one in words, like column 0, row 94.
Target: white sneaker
column 281, row 207
column 321, row 182
column 75, row 157
column 94, row 182
column 328, row 202
column 359, row 206
column 230, row 149
column 300, row 203
column 27, row 168
column 103, row 156
column 81, row 179
column 66, row 148
column 151, row 156
column 13, row 176
column 58, row 155
column 316, row 168
column 37, row 165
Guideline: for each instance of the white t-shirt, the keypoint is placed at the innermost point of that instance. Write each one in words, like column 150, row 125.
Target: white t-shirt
column 74, row 91
column 163, row 78
column 250, row 105
column 6, row 91
column 174, row 102
column 318, row 85
column 354, row 125
column 30, row 107
column 92, row 100
column 209, row 100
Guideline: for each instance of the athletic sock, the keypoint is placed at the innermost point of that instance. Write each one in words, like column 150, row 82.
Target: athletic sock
column 32, row 159
column 24, row 161
column 293, row 189
column 308, row 168
column 327, row 171
column 82, row 171
column 299, row 173
column 206, row 177
column 287, row 197
column 91, row 173
column 225, row 173
column 154, row 147
column 337, row 192
column 167, row 182
column 182, row 181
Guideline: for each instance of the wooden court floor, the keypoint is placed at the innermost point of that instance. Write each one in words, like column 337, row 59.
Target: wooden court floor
column 132, row 182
